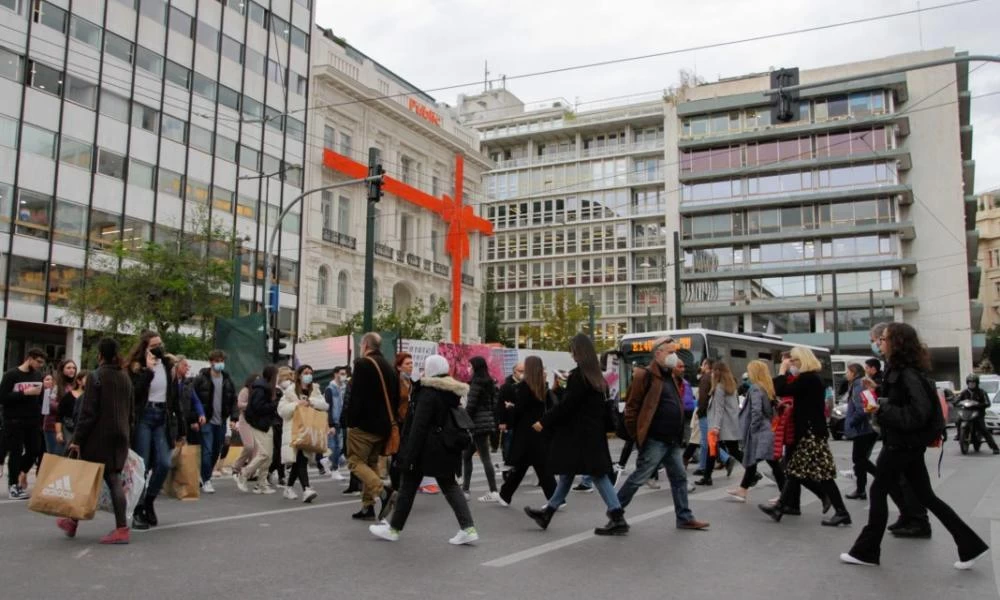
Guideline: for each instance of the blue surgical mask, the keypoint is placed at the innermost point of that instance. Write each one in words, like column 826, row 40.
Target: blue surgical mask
column 876, row 349
column 219, row 367
column 307, row 379
column 794, row 371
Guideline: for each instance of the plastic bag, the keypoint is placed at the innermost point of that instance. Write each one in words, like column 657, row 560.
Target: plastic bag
column 133, row 480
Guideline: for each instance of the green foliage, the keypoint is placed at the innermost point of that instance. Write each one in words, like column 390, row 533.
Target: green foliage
column 493, row 331
column 560, row 323
column 415, row 323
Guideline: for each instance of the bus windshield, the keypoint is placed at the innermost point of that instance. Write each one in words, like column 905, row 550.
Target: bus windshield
column 638, row 352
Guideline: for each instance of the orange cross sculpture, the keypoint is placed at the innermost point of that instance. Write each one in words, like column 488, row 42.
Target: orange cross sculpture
column 461, row 220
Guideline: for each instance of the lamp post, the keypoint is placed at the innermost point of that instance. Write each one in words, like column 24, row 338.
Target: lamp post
column 267, row 196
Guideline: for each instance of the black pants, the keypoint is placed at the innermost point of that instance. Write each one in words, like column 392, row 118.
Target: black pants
column 793, row 498
column 861, row 457
column 732, row 447
column 410, row 481
column 481, row 445
column 23, row 442
column 909, row 462
column 516, row 474
column 299, row 470
column 626, row 453
column 979, row 425
column 118, row 502
column 276, row 464
column 750, row 475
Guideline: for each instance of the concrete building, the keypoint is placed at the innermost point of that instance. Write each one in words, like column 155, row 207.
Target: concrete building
column 121, row 120
column 988, row 227
column 577, row 199
column 360, row 103
column 864, row 188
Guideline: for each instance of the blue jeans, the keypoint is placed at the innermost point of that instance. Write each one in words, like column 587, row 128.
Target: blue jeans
column 51, row 446
column 703, row 450
column 151, row 442
column 212, row 437
column 653, row 454
column 336, row 443
column 604, row 487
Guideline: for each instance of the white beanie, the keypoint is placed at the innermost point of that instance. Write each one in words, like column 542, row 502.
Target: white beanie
column 435, row 366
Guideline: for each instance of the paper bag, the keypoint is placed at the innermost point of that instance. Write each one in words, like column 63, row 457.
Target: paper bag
column 67, row 487
column 184, row 480
column 309, row 427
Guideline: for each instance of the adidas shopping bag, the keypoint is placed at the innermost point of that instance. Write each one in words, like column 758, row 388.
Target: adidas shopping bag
column 67, row 487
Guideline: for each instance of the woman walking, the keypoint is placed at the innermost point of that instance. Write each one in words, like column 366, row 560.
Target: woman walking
column 69, row 410
column 911, row 419
column 430, row 450
column 810, row 458
column 404, row 367
column 64, row 383
column 858, row 429
column 260, row 414
column 528, row 446
column 244, row 429
column 480, row 406
column 723, row 420
column 297, row 391
column 755, row 430
column 578, row 427
column 102, row 433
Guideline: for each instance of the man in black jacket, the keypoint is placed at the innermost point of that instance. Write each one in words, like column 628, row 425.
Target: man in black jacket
column 508, row 391
column 371, row 415
column 217, row 393
column 973, row 392
column 21, row 398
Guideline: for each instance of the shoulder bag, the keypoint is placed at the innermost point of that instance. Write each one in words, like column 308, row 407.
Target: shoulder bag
column 391, row 446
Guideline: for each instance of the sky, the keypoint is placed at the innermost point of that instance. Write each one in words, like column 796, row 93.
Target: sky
column 439, row 43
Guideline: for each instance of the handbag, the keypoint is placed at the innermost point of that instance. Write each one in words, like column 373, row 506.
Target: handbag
column 391, row 446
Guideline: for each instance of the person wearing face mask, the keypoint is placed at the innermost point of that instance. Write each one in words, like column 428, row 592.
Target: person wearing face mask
column 973, row 392
column 506, row 396
column 297, row 392
column 334, row 396
column 654, row 418
column 217, row 393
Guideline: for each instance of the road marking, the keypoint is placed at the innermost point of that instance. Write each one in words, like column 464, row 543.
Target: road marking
column 264, row 513
column 81, row 553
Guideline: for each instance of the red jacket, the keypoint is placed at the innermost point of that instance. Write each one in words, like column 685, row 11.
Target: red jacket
column 783, row 424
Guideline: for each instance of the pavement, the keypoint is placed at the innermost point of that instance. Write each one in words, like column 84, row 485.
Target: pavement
column 259, row 547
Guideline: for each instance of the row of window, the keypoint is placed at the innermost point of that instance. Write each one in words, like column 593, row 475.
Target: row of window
column 790, row 218
column 608, row 301
column 593, row 143
column 572, row 240
column 559, row 273
column 709, row 260
column 861, row 175
column 593, row 206
column 323, row 287
column 596, row 173
column 794, row 286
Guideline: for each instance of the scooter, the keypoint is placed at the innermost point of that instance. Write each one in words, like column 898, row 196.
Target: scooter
column 968, row 412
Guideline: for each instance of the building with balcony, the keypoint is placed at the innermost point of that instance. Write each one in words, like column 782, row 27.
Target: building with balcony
column 860, row 196
column 122, row 120
column 361, row 104
column 988, row 228
column 577, row 200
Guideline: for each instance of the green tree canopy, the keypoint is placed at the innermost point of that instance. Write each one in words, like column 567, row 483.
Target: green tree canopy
column 414, row 323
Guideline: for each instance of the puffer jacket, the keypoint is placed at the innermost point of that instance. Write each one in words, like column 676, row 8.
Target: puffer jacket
column 422, row 451
column 286, row 409
column 481, row 404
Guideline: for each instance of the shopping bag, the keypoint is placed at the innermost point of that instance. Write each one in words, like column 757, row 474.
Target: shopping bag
column 309, row 428
column 713, row 443
column 133, row 478
column 184, row 480
column 67, row 487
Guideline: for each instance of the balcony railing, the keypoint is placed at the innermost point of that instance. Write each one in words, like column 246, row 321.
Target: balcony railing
column 441, row 269
column 413, row 260
column 468, row 280
column 649, row 241
column 384, row 251
column 649, row 274
column 646, row 177
column 340, row 239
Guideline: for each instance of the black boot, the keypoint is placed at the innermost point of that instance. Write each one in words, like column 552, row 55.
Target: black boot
column 858, row 495
column 151, row 512
column 139, row 521
column 365, row 514
column 827, row 505
column 775, row 512
column 541, row 516
column 837, row 520
column 615, row 526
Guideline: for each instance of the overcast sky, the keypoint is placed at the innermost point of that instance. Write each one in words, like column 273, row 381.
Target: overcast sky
column 439, row 43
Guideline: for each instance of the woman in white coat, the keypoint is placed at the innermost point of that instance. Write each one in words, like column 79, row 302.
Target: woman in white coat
column 297, row 389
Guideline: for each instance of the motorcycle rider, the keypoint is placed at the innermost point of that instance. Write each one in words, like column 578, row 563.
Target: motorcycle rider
column 975, row 393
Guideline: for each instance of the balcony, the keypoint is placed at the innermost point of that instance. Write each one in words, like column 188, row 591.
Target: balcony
column 340, row 239
column 413, row 260
column 649, row 241
column 384, row 251
column 643, row 177
column 427, row 264
column 468, row 280
column 440, row 269
column 649, row 273
column 572, row 155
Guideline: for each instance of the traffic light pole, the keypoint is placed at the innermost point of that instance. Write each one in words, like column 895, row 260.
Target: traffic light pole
column 374, row 195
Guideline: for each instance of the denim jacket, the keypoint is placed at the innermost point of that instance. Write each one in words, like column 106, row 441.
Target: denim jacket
column 856, row 422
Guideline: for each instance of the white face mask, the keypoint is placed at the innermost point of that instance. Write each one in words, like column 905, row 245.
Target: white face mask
column 670, row 361
column 285, row 384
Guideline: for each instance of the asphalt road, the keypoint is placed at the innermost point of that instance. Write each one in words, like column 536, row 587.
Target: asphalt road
column 268, row 547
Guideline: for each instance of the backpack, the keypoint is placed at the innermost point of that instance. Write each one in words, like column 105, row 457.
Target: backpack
column 455, row 431
column 939, row 414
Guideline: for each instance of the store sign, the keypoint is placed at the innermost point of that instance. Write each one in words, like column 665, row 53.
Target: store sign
column 425, row 113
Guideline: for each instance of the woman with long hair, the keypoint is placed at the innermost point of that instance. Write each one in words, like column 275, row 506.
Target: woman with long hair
column 244, row 429
column 858, row 428
column 578, row 427
column 723, row 420
column 67, row 414
column 480, row 406
column 911, row 418
column 755, row 427
column 528, row 447
column 404, row 367
column 299, row 391
column 64, row 383
column 810, row 458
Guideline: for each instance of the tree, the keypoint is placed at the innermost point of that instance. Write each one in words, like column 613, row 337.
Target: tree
column 493, row 332
column 564, row 319
column 414, row 323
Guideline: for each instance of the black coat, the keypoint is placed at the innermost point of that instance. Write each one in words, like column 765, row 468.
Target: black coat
column 106, row 418
column 506, row 393
column 262, row 409
column 481, row 404
column 527, row 445
column 809, row 403
column 576, row 427
column 906, row 415
column 367, row 408
column 205, row 388
column 141, row 380
column 422, row 451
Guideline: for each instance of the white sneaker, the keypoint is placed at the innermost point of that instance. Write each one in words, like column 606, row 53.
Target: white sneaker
column 384, row 531
column 490, row 497
column 848, row 559
column 266, row 489
column 653, row 484
column 965, row 565
column 241, row 483
column 465, row 536
column 337, row 475
column 308, row 495
column 290, row 494
column 326, row 464
column 502, row 502
column 258, row 489
column 216, row 474
column 207, row 487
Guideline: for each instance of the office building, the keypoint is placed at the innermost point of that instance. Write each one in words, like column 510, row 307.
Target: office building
column 988, row 227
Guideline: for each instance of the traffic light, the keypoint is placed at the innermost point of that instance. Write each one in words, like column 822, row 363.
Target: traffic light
column 375, row 170
column 784, row 105
column 278, row 344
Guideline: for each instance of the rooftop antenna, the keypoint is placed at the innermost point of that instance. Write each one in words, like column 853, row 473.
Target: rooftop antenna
column 920, row 25
column 486, row 75
column 503, row 80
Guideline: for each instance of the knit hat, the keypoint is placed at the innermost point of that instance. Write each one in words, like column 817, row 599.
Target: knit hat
column 435, row 366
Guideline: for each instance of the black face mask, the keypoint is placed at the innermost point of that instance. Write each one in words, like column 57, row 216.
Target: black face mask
column 157, row 352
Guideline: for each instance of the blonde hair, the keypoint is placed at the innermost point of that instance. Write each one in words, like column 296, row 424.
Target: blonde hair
column 722, row 375
column 760, row 376
column 285, row 373
column 807, row 360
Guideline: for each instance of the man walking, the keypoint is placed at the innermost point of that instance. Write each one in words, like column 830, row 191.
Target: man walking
column 217, row 393
column 21, row 396
column 654, row 417
column 371, row 414
column 507, row 393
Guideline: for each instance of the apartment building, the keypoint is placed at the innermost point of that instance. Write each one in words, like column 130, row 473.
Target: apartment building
column 120, row 120
column 988, row 228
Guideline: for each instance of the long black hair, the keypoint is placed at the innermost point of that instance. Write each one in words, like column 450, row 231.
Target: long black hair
column 481, row 374
column 905, row 348
column 585, row 355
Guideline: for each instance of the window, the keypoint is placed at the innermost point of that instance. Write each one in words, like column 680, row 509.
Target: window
column 203, row 86
column 342, row 290
column 169, row 182
column 34, row 214
column 70, row 224
column 251, row 108
column 344, row 215
column 178, row 74
column 208, row 36
column 257, row 13
column 329, row 137
column 10, row 65
column 280, row 27
column 200, row 138
column 119, row 47
column 146, row 118
column 296, row 130
column 38, row 141
column 230, row 98
column 222, row 199
column 232, row 49
column 81, row 92
column 326, row 208
column 225, row 148
column 305, row 3
column 300, row 39
column 237, row 5
column 27, row 279
column 249, row 158
column 254, row 60
column 148, row 60
column 105, row 229
column 50, row 15
column 345, row 145
column 301, row 84
column 85, row 31
column 8, row 136
column 155, row 10
column 274, row 119
column 141, row 174
column 46, row 78
column 114, row 106
column 322, row 286
column 197, row 191
column 181, row 22
column 75, row 152
column 246, row 207
column 174, row 129
column 110, row 164
column 293, row 175
column 274, row 72
column 15, row 6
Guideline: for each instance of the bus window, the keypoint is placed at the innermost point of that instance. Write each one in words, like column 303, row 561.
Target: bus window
column 765, row 356
column 738, row 353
